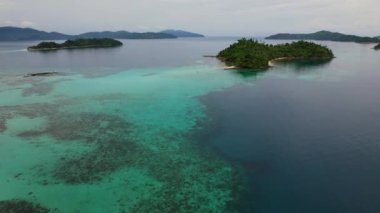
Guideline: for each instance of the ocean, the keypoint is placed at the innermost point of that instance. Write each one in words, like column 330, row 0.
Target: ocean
column 153, row 126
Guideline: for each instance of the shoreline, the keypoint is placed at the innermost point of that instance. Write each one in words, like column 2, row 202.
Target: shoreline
column 271, row 63
column 230, row 67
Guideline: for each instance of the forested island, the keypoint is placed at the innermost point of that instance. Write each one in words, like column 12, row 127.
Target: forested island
column 377, row 47
column 324, row 36
column 249, row 53
column 77, row 43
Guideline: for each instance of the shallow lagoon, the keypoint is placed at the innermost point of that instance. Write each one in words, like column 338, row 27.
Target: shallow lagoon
column 155, row 127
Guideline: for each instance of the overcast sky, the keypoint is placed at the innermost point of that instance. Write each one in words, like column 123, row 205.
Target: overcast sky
column 210, row 17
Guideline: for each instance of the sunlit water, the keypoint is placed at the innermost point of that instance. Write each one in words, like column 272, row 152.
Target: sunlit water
column 154, row 126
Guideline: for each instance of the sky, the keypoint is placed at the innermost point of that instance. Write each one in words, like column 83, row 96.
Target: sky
column 209, row 17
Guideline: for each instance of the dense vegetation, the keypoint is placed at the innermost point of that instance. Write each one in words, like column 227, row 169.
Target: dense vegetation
column 324, row 35
column 78, row 43
column 377, row 47
column 249, row 53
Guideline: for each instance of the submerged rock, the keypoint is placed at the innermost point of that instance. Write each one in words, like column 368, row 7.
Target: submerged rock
column 21, row 206
column 40, row 74
column 201, row 181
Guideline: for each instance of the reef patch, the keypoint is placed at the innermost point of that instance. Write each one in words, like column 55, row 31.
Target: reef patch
column 21, row 206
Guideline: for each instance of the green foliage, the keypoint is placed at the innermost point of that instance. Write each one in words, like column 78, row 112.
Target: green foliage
column 377, row 47
column 249, row 53
column 99, row 42
column 78, row 43
column 50, row 45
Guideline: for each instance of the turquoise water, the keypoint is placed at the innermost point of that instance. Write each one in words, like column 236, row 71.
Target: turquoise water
column 132, row 129
column 112, row 143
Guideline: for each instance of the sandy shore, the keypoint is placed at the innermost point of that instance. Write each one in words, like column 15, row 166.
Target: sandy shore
column 230, row 67
column 271, row 62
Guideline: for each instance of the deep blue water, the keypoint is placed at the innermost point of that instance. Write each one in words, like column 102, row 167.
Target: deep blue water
column 307, row 145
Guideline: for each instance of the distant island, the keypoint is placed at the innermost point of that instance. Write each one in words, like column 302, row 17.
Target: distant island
column 39, row 74
column 249, row 53
column 182, row 34
column 29, row 34
column 377, row 47
column 78, row 43
column 166, row 34
column 325, row 36
column 125, row 35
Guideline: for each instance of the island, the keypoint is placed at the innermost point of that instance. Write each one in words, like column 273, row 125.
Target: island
column 29, row 34
column 182, row 34
column 324, row 36
column 38, row 74
column 377, row 47
column 77, row 44
column 125, row 35
column 252, row 54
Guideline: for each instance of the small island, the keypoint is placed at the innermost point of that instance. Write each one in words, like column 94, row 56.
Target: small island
column 377, row 47
column 77, row 44
column 251, row 54
column 39, row 74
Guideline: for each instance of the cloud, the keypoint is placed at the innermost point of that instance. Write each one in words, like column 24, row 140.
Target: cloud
column 5, row 4
column 23, row 23
column 27, row 24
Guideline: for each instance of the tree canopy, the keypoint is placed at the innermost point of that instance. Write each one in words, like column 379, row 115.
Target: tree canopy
column 78, row 43
column 249, row 53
